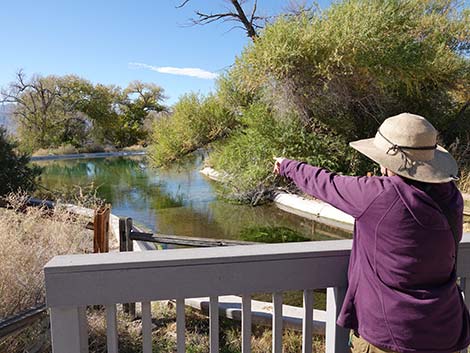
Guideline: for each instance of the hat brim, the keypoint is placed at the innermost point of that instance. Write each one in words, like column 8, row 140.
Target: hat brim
column 441, row 169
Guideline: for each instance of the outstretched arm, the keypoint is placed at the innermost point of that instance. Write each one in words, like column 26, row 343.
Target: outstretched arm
column 349, row 194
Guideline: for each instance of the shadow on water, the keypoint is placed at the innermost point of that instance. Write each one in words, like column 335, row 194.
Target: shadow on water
column 179, row 200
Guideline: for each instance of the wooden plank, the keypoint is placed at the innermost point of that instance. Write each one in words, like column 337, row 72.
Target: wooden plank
column 185, row 241
column 146, row 327
column 105, row 227
column 69, row 330
column 97, row 230
column 246, row 323
column 128, row 230
column 307, row 321
column 22, row 320
column 336, row 337
column 122, row 234
column 111, row 329
column 277, row 323
column 180, row 326
column 214, row 324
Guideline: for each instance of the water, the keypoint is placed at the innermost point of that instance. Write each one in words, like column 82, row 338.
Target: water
column 177, row 201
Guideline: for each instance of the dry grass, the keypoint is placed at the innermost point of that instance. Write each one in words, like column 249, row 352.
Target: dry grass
column 134, row 148
column 464, row 182
column 64, row 149
column 30, row 237
column 197, row 334
column 88, row 148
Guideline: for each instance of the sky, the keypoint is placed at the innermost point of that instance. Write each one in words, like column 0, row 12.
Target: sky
column 118, row 41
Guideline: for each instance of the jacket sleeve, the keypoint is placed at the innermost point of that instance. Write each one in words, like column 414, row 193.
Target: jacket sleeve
column 351, row 195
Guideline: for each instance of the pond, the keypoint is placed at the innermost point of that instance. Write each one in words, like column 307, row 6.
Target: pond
column 177, row 201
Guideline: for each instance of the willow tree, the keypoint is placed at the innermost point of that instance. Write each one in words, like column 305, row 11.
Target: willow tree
column 311, row 82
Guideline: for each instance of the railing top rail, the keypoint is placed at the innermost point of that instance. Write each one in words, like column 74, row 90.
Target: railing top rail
column 76, row 280
column 198, row 256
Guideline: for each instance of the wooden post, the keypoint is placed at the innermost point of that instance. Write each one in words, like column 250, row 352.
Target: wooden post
column 125, row 244
column 101, row 229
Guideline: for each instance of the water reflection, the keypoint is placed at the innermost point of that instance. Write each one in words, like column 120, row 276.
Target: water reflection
column 178, row 200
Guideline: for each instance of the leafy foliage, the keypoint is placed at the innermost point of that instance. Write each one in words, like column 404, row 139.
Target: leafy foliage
column 361, row 61
column 247, row 155
column 194, row 122
column 60, row 110
column 15, row 173
column 313, row 81
column 271, row 235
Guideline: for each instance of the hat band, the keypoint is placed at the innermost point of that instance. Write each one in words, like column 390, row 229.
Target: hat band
column 394, row 147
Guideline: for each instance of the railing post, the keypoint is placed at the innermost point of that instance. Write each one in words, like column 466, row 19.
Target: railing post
column 126, row 244
column 69, row 330
column 336, row 337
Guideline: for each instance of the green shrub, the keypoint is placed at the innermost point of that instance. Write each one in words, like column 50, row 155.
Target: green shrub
column 15, row 173
column 247, row 155
column 195, row 121
column 271, row 235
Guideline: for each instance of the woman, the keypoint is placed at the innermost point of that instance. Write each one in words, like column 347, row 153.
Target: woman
column 402, row 294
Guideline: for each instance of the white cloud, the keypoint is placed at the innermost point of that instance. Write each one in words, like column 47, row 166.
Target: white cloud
column 184, row 71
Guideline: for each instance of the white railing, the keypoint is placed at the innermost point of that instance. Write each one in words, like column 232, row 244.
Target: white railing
column 75, row 281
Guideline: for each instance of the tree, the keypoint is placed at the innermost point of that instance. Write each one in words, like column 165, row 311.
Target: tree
column 250, row 23
column 47, row 109
column 134, row 104
column 347, row 69
column 15, row 171
column 56, row 110
column 311, row 82
column 194, row 122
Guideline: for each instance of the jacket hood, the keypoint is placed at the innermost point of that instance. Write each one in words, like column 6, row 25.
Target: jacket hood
column 427, row 207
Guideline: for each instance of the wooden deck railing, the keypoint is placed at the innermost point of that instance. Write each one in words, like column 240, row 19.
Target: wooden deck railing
column 75, row 281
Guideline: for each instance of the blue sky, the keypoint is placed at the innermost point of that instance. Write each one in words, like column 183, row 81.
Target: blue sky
column 118, row 41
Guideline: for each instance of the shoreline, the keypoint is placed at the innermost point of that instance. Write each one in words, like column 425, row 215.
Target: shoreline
column 87, row 155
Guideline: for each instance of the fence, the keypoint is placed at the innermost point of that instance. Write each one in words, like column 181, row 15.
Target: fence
column 75, row 281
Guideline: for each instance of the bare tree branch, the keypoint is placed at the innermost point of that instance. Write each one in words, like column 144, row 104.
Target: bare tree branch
column 250, row 25
column 182, row 4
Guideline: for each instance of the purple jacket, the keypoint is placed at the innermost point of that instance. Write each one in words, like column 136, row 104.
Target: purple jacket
column 402, row 293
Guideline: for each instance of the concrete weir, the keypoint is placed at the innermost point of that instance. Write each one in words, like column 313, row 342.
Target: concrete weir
column 230, row 306
column 312, row 209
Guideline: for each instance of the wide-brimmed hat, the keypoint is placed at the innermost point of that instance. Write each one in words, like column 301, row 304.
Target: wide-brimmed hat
column 407, row 145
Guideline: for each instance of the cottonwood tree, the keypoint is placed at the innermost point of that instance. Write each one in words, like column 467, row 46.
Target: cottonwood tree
column 136, row 102
column 46, row 108
column 250, row 23
column 56, row 110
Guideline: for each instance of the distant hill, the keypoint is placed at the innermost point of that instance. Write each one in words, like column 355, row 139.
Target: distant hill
column 6, row 117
